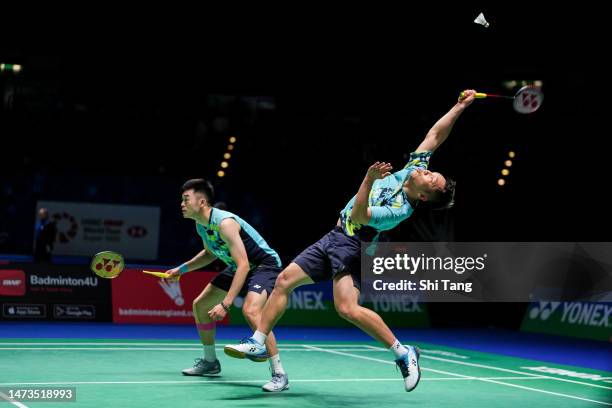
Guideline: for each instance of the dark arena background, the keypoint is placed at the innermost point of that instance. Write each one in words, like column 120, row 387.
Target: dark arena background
column 102, row 122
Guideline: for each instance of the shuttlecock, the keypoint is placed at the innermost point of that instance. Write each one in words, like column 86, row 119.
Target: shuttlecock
column 481, row 20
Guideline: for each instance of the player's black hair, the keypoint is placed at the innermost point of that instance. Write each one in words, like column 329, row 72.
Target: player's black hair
column 200, row 186
column 441, row 199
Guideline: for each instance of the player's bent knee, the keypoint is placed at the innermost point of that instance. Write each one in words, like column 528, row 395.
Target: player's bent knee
column 347, row 312
column 282, row 283
column 202, row 305
column 199, row 303
column 251, row 313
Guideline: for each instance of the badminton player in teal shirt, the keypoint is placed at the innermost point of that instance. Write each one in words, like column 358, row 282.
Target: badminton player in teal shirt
column 252, row 269
column 383, row 200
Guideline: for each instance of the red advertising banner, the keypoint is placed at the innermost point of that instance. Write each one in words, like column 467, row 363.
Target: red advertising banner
column 12, row 282
column 141, row 298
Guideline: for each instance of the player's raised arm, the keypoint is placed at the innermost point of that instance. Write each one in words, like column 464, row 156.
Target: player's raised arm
column 442, row 128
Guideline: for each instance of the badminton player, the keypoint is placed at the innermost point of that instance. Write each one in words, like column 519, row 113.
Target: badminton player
column 383, row 200
column 252, row 269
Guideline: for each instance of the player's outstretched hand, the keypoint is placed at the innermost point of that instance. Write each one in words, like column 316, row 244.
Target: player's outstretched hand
column 378, row 171
column 173, row 274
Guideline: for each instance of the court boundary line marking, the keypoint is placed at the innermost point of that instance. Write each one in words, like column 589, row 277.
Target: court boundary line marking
column 461, row 375
column 300, row 349
column 507, row 370
column 12, row 401
column 162, row 344
column 396, row 379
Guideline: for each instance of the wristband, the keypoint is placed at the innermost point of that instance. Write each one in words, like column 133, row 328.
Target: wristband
column 183, row 269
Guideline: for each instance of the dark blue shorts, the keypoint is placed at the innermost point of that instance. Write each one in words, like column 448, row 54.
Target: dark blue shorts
column 262, row 277
column 334, row 254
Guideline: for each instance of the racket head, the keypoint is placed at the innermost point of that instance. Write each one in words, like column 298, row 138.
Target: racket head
column 528, row 99
column 107, row 264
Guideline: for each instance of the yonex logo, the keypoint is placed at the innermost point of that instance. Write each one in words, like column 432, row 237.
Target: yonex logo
column 543, row 310
column 105, row 264
column 530, row 99
column 257, row 286
column 306, row 300
column 587, row 313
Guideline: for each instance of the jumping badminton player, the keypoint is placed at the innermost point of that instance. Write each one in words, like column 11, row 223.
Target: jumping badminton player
column 382, row 202
column 252, row 269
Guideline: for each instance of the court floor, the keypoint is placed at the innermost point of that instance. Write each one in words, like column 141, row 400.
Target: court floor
column 146, row 373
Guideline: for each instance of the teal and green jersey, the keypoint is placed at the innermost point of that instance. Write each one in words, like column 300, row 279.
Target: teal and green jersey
column 258, row 251
column 387, row 201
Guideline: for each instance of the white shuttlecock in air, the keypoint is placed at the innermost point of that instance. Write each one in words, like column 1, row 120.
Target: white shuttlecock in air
column 481, row 20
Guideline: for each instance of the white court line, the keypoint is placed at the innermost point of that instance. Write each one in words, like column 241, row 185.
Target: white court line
column 480, row 378
column 369, row 347
column 461, row 375
column 162, row 344
column 301, row 349
column 98, row 344
column 12, row 401
column 506, row 370
column 385, row 361
column 372, row 348
column 395, row 379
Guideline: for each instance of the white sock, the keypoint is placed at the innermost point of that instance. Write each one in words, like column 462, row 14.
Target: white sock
column 275, row 365
column 260, row 337
column 397, row 349
column 210, row 354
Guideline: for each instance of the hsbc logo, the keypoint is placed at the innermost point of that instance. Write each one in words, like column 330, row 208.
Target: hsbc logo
column 12, row 282
column 67, row 226
column 136, row 231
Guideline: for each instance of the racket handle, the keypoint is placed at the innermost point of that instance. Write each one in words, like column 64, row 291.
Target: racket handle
column 477, row 95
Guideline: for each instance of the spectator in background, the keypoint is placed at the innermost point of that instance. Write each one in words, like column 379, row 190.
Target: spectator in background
column 44, row 236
